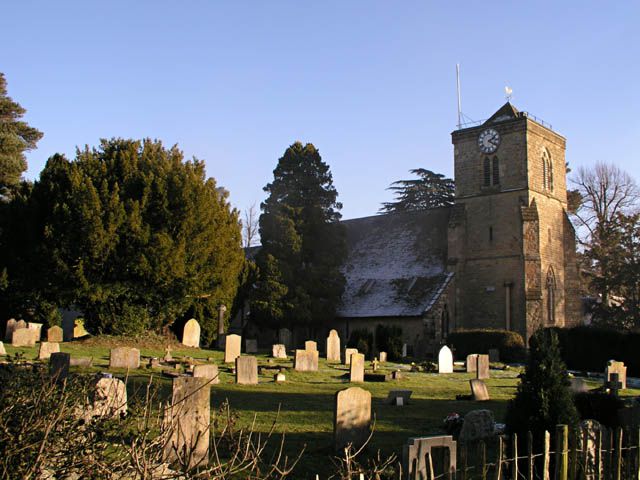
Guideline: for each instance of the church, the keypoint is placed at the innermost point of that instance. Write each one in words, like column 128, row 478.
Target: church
column 503, row 256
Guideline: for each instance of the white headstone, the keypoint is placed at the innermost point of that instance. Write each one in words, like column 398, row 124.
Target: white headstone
column 445, row 360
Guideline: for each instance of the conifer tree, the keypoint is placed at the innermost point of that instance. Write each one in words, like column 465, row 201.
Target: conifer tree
column 303, row 243
column 543, row 399
column 429, row 190
column 16, row 137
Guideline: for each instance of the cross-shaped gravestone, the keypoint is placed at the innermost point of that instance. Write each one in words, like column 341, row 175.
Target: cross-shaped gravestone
column 614, row 384
column 374, row 364
column 167, row 354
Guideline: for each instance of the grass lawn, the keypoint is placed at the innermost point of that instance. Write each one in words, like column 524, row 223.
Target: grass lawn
column 306, row 400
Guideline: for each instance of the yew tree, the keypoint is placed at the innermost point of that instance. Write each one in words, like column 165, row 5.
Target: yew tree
column 303, row 243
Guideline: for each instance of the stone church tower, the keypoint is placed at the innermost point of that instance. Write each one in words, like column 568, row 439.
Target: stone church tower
column 511, row 244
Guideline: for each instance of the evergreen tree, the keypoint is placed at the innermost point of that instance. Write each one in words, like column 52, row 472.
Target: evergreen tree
column 430, row 190
column 303, row 243
column 543, row 399
column 16, row 137
column 136, row 238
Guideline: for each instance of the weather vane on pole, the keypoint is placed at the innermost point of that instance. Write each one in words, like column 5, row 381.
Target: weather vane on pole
column 508, row 92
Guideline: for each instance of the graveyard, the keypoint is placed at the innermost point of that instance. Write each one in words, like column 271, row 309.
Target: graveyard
column 298, row 395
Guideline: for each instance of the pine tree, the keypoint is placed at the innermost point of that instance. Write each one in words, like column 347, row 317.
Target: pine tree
column 303, row 243
column 430, row 190
column 136, row 238
column 16, row 137
column 543, row 399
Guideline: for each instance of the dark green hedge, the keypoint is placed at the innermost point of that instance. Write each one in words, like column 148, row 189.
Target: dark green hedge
column 510, row 344
column 589, row 348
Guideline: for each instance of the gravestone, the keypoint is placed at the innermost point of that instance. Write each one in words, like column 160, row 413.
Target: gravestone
column 478, row 425
column 154, row 362
column 46, row 349
column 191, row 334
column 208, row 371
column 616, row 367
column 279, row 377
column 109, row 398
column 124, row 357
column 482, row 369
column 306, row 361
column 352, row 417
column 37, row 327
column 311, row 346
column 396, row 375
column 383, row 357
column 418, row 450
column 251, row 345
column 347, row 355
column 591, row 432
column 8, row 333
column 21, row 324
column 232, row 347
column 59, row 365
column 81, row 361
column 472, row 363
column 479, row 390
column 404, row 350
column 23, row 337
column 188, row 420
column 73, row 328
column 445, row 360
column 2, row 349
column 284, row 337
column 333, row 347
column 393, row 394
column 54, row 334
column 494, row 355
column 374, row 364
column 247, row 370
column 356, row 368
column 167, row 355
column 278, row 350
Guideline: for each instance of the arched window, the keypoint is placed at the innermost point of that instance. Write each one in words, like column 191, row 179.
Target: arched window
column 551, row 297
column 547, row 170
column 487, row 172
column 496, row 171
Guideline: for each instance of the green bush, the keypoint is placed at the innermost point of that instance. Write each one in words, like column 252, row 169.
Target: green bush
column 599, row 406
column 510, row 344
column 589, row 348
column 361, row 339
column 389, row 339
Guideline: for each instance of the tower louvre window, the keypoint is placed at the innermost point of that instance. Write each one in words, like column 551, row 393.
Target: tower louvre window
column 487, row 172
column 496, row 171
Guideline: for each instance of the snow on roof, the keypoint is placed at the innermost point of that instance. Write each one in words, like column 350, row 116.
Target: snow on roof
column 396, row 264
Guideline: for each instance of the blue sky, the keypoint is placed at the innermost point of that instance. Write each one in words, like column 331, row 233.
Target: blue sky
column 371, row 84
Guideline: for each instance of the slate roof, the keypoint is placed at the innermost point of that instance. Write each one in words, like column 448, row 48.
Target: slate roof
column 506, row 112
column 396, row 264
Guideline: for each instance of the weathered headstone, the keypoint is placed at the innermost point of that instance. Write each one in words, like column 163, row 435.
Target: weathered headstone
column 21, row 324
column 479, row 390
column 2, row 349
column 167, row 354
column 383, row 357
column 478, row 425
column 37, row 327
column 356, row 368
column 284, row 337
column 232, row 348
column 109, row 398
column 191, row 334
column 393, row 394
column 8, row 333
column 247, row 370
column 417, row 452
column 494, row 355
column 23, row 337
column 333, row 347
column 482, row 369
column 396, row 375
column 445, row 360
column 374, row 364
column 278, row 350
column 59, row 365
column 124, row 357
column 352, row 417
column 279, row 377
column 46, row 349
column 347, row 355
column 617, row 367
column 81, row 361
column 472, row 363
column 208, row 371
column 311, row 346
column 251, row 345
column 188, row 421
column 54, row 334
column 306, row 361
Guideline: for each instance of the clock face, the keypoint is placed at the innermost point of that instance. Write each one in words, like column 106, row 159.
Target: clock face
column 489, row 140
